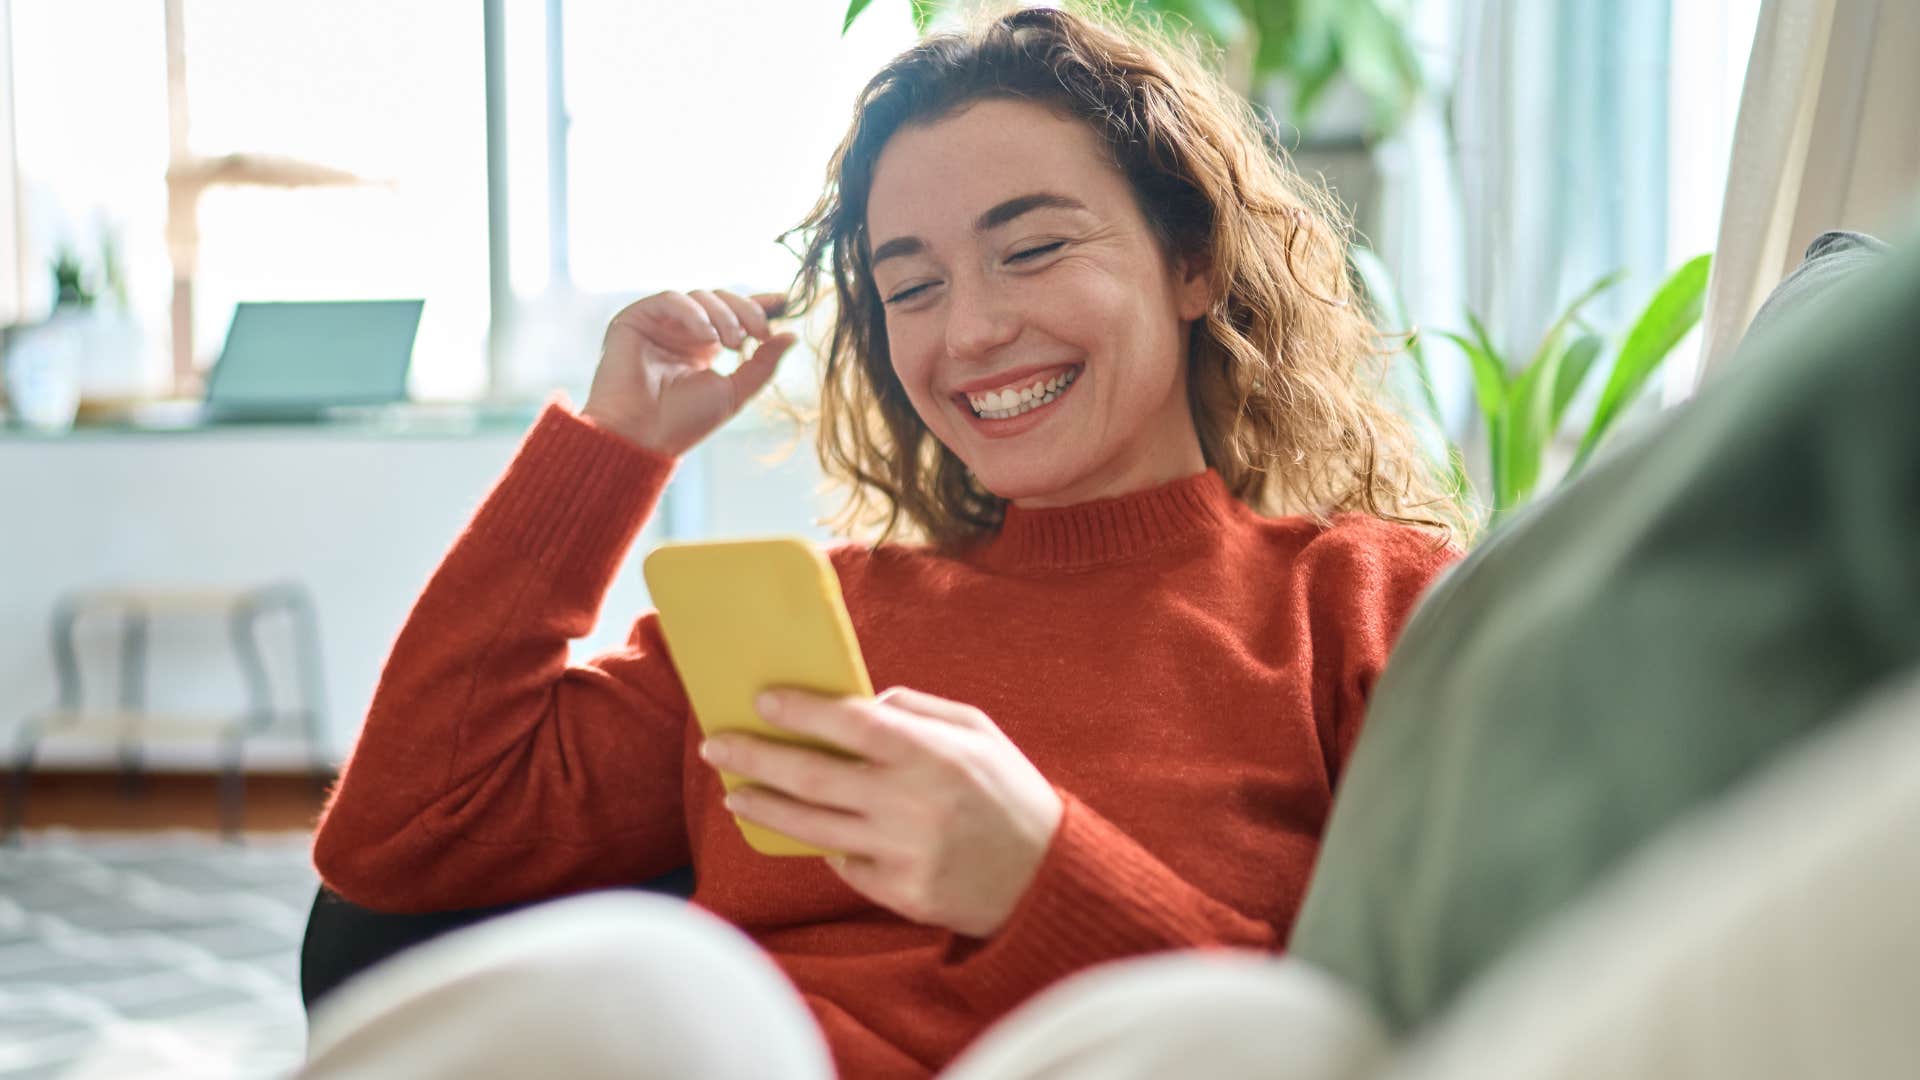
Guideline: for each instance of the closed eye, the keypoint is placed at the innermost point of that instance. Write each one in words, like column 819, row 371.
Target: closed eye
column 907, row 294
column 1034, row 252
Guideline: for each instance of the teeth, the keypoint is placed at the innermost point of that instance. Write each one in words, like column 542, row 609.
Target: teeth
column 1005, row 404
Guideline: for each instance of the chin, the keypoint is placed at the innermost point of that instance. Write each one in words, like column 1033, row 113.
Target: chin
column 1025, row 480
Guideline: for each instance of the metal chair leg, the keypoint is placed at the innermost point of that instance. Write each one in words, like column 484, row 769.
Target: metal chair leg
column 313, row 686
column 66, row 666
column 133, row 699
column 19, row 779
column 233, row 788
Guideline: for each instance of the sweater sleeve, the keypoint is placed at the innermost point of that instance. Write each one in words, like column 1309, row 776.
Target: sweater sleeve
column 1098, row 896
column 1362, row 578
column 490, row 768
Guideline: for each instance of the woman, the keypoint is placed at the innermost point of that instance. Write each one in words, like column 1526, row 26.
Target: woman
column 1091, row 345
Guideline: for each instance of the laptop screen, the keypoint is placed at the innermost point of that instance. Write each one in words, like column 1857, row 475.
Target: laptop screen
column 316, row 354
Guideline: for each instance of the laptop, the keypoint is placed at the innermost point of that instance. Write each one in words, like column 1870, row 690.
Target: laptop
column 293, row 361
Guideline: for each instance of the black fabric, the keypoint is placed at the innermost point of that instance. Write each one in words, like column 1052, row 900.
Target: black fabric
column 344, row 939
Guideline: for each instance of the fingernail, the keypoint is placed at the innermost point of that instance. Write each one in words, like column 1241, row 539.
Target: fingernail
column 767, row 704
column 709, row 751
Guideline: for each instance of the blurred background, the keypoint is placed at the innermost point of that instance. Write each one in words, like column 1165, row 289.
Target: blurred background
column 197, row 592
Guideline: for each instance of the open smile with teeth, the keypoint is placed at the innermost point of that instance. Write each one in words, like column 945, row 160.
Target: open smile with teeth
column 1005, row 404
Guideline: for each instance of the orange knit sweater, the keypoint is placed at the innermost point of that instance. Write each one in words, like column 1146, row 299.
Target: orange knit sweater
column 1189, row 675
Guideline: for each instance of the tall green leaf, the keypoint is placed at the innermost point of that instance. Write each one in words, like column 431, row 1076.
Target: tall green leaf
column 853, row 12
column 1575, row 363
column 1529, row 410
column 1486, row 341
column 1489, row 374
column 1530, row 419
column 1490, row 391
column 1673, row 311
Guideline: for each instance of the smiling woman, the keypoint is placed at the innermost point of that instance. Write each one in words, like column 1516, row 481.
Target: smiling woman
column 1096, row 369
column 1040, row 342
column 1090, row 185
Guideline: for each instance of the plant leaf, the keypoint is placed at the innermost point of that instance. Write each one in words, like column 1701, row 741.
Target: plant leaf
column 1375, row 58
column 1489, row 375
column 1575, row 363
column 1530, row 417
column 1490, row 393
column 1529, row 425
column 1571, row 313
column 1297, row 42
column 1497, row 435
column 1221, row 20
column 1486, row 341
column 923, row 14
column 1673, row 311
column 1312, row 82
column 854, row 8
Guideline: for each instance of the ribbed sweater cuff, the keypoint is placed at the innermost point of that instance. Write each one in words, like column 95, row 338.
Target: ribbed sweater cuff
column 575, row 495
column 1098, row 896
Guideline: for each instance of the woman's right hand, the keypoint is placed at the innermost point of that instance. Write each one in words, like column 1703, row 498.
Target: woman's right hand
column 656, row 385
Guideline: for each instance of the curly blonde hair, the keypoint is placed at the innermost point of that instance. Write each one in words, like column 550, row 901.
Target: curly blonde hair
column 1284, row 379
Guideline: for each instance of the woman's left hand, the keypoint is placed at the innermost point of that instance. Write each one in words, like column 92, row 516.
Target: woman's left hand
column 943, row 820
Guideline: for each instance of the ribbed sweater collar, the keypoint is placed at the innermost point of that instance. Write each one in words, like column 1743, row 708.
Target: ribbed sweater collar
column 1109, row 530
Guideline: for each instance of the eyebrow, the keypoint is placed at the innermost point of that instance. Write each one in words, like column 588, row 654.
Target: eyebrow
column 992, row 219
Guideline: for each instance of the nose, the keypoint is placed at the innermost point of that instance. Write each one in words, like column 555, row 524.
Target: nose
column 980, row 319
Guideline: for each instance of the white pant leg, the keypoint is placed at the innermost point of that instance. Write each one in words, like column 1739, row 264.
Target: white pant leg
column 1219, row 1015
column 610, row 984
column 1776, row 934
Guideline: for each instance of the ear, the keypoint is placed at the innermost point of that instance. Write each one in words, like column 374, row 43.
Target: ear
column 1192, row 287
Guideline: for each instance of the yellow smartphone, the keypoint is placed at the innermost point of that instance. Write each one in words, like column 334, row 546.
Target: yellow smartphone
column 742, row 616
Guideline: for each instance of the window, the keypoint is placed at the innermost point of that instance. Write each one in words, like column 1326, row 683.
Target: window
column 90, row 149
column 374, row 110
column 692, row 136
column 391, row 98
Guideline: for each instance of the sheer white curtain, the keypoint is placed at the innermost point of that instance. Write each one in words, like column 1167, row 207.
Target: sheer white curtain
column 1418, row 231
column 1827, row 139
column 1535, row 163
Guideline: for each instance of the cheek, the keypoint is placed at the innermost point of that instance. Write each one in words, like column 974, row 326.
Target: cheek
column 913, row 365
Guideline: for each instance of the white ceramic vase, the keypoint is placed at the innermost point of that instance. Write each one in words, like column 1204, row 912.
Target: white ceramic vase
column 43, row 365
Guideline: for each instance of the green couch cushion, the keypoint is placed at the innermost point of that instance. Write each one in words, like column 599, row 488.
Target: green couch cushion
column 1632, row 647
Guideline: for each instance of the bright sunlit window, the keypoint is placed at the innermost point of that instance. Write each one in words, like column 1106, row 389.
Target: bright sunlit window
column 389, row 96
column 695, row 135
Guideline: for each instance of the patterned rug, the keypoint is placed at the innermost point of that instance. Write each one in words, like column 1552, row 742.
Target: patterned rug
column 171, row 954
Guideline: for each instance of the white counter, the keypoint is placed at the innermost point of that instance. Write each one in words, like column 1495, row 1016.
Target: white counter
column 359, row 515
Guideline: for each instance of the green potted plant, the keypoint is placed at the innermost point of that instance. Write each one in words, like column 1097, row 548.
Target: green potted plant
column 1525, row 405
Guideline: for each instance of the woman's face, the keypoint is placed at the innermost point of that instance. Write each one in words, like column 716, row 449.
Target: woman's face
column 1032, row 317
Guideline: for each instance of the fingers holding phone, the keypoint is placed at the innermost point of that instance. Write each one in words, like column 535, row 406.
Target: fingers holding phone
column 941, row 819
